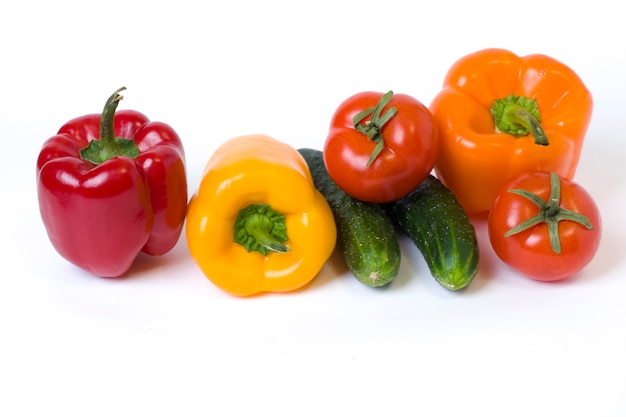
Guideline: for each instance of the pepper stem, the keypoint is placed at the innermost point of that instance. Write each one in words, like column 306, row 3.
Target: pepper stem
column 550, row 212
column 373, row 127
column 259, row 228
column 519, row 116
column 108, row 146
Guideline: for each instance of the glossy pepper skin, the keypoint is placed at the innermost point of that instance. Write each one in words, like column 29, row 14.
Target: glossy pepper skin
column 295, row 232
column 101, row 215
column 476, row 158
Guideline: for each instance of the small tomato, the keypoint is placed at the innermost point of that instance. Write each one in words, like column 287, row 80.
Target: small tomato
column 544, row 226
column 380, row 146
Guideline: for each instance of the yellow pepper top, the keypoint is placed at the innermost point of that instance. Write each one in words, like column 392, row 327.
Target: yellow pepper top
column 257, row 223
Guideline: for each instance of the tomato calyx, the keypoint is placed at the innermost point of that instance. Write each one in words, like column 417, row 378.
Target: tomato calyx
column 550, row 212
column 372, row 128
column 518, row 116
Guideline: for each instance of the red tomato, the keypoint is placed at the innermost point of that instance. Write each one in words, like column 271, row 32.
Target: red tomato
column 576, row 226
column 399, row 127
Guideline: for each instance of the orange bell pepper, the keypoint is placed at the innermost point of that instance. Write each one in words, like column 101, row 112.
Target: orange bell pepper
column 499, row 114
column 257, row 223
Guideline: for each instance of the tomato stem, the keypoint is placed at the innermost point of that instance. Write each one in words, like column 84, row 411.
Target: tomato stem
column 550, row 213
column 373, row 128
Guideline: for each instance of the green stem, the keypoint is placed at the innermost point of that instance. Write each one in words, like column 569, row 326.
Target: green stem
column 373, row 127
column 550, row 212
column 108, row 146
column 259, row 228
column 107, row 125
column 519, row 116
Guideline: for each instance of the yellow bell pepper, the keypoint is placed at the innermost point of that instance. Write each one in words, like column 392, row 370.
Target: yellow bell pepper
column 257, row 223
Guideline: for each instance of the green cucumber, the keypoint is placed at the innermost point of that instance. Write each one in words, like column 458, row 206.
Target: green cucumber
column 438, row 225
column 366, row 236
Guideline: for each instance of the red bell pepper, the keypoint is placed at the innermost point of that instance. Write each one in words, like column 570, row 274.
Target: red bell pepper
column 110, row 186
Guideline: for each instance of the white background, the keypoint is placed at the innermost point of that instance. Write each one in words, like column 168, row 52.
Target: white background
column 165, row 341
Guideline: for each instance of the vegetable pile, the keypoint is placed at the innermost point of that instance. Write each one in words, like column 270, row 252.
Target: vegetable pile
column 502, row 138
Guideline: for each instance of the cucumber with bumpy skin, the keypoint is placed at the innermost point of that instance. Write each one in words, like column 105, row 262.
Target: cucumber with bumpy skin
column 366, row 236
column 440, row 228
